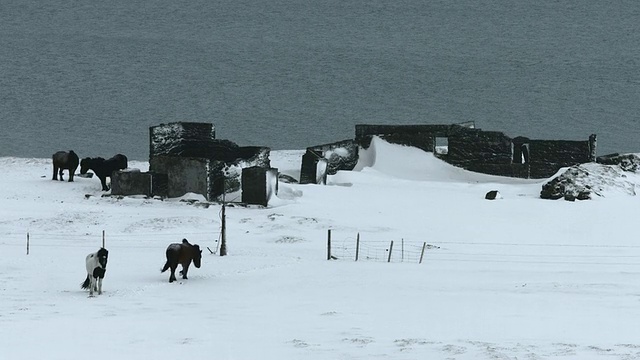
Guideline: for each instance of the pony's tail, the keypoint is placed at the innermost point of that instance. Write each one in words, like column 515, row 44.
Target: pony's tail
column 166, row 267
column 87, row 283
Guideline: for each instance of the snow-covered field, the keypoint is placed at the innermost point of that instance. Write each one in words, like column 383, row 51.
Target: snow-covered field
column 517, row 277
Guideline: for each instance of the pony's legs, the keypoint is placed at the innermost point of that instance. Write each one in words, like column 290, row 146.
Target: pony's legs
column 55, row 173
column 185, row 268
column 99, row 286
column 92, row 286
column 60, row 171
column 103, row 181
column 172, row 277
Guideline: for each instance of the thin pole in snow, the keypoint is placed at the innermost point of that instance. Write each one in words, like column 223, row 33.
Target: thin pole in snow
column 223, row 238
column 329, row 244
column 424, row 245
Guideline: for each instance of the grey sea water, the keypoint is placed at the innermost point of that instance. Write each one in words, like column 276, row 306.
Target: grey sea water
column 93, row 76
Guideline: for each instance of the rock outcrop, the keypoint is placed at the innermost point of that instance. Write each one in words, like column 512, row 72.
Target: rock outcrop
column 614, row 173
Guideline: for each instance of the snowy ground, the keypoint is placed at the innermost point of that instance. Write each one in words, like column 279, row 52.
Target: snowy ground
column 518, row 277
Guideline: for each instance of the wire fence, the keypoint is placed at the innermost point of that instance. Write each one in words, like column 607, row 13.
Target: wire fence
column 412, row 251
column 369, row 248
column 376, row 250
column 372, row 250
column 33, row 240
column 91, row 239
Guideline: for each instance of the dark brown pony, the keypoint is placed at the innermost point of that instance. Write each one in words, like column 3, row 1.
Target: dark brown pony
column 182, row 254
column 63, row 160
column 103, row 168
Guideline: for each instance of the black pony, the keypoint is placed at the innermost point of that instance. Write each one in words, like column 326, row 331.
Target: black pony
column 63, row 160
column 182, row 254
column 103, row 168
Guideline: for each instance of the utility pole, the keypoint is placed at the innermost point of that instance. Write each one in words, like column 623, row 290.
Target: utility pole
column 223, row 238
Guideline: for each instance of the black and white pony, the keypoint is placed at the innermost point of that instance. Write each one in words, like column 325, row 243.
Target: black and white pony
column 96, row 267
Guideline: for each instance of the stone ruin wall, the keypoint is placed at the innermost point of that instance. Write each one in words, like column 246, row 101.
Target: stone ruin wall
column 174, row 139
column 548, row 156
column 184, row 174
column 410, row 135
column 259, row 185
column 341, row 155
column 197, row 162
column 488, row 152
column 127, row 182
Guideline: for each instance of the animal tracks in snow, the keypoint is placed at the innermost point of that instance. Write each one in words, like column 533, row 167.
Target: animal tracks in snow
column 410, row 348
column 289, row 239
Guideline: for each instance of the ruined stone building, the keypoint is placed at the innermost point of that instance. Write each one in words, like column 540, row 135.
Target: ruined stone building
column 186, row 157
column 462, row 145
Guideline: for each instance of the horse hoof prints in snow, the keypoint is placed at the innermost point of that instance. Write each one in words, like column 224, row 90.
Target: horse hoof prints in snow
column 63, row 160
column 103, row 168
column 96, row 266
column 182, row 254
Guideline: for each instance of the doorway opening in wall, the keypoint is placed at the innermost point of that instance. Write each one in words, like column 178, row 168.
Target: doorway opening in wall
column 441, row 146
column 520, row 153
column 525, row 153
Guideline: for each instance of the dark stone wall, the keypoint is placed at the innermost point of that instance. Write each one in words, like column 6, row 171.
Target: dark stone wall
column 197, row 162
column 559, row 152
column 226, row 177
column 479, row 147
column 593, row 142
column 341, row 155
column 258, row 184
column 422, row 141
column 309, row 167
column 548, row 156
column 195, row 140
column 488, row 152
column 420, row 136
column 183, row 174
column 174, row 139
column 364, row 130
column 139, row 183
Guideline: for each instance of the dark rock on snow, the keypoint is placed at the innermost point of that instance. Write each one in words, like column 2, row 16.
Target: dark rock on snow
column 492, row 195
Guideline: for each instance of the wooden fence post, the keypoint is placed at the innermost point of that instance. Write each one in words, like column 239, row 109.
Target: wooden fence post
column 390, row 250
column 27, row 243
column 102, row 238
column 357, row 246
column 223, row 224
column 329, row 244
column 424, row 245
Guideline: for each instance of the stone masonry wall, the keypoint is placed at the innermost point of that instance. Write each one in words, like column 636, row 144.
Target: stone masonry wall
column 174, row 139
